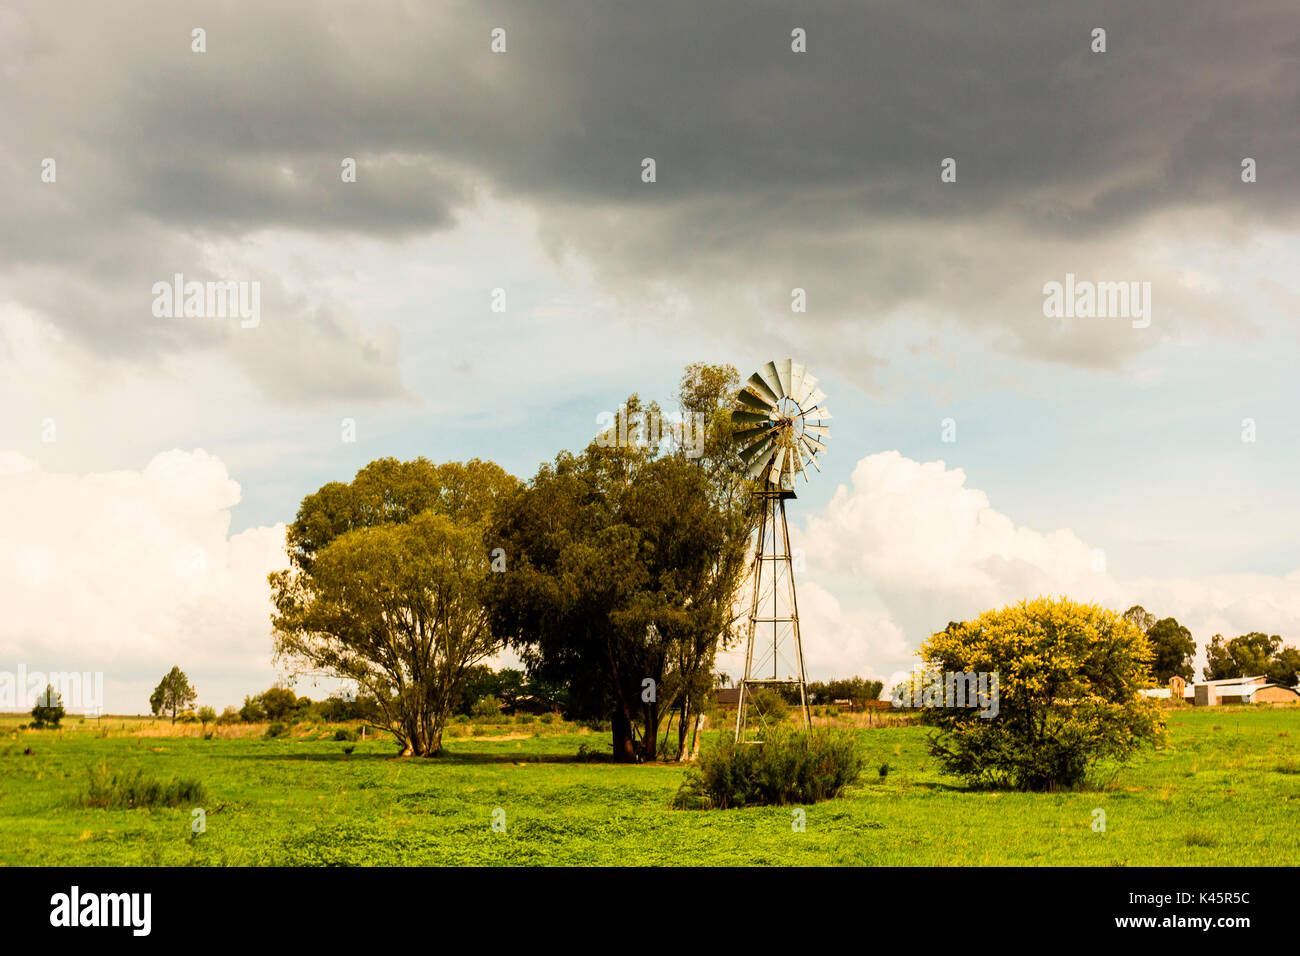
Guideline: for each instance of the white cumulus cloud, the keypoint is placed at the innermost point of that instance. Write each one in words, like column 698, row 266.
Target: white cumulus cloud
column 130, row 572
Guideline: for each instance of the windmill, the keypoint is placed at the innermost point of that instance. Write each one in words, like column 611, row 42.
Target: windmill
column 779, row 417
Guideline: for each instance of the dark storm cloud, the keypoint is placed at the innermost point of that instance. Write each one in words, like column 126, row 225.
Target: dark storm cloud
column 775, row 169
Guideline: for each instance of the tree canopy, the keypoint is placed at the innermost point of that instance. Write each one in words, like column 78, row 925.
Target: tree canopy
column 1140, row 618
column 48, row 710
column 1171, row 643
column 625, row 565
column 173, row 694
column 1174, row 649
column 1252, row 655
column 387, row 584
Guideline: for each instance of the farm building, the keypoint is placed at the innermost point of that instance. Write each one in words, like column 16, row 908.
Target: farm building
column 1275, row 694
column 727, row 697
column 1232, row 690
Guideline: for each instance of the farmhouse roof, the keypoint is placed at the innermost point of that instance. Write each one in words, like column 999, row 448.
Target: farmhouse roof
column 1230, row 680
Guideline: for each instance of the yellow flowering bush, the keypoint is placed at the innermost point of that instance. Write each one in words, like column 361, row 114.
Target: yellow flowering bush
column 1067, row 679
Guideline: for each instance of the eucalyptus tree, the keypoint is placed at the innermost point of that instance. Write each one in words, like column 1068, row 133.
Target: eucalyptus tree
column 387, row 584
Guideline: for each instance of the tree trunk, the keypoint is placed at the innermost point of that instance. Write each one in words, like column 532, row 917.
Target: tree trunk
column 434, row 745
column 622, row 727
column 696, row 737
column 423, row 736
column 650, row 745
column 681, row 729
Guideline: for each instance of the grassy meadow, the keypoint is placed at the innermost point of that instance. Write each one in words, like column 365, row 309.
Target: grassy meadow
column 1225, row 790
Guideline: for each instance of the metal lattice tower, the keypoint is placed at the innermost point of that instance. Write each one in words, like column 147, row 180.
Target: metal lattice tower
column 779, row 419
column 773, row 652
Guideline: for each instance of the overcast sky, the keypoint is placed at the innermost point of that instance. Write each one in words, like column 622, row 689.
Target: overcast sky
column 147, row 462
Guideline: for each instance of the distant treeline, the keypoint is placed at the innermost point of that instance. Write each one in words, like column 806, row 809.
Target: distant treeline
column 856, row 690
column 505, row 691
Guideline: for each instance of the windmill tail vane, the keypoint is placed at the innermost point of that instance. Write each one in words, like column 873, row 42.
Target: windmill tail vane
column 780, row 418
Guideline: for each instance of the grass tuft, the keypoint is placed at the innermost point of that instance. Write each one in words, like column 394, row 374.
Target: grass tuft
column 132, row 789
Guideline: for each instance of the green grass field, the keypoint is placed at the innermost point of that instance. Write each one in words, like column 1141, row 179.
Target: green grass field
column 1225, row 791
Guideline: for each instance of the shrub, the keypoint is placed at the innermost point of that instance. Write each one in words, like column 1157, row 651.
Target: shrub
column 486, row 707
column 769, row 706
column 187, row 717
column 548, row 718
column 787, row 767
column 1067, row 694
column 349, row 748
column 526, row 719
column 344, row 734
column 275, row 730
column 131, row 789
column 228, row 716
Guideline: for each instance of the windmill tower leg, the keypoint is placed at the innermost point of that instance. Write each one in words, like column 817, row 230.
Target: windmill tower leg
column 756, row 578
column 801, row 672
column 774, row 650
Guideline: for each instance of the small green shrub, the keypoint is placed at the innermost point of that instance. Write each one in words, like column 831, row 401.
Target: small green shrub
column 131, row 789
column 548, row 718
column 787, row 767
column 486, row 707
column 275, row 730
column 349, row 748
column 345, row 734
column 527, row 719
column 769, row 706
